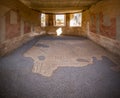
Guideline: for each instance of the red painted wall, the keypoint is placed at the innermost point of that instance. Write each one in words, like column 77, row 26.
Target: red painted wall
column 12, row 30
column 108, row 31
column 27, row 27
column 93, row 23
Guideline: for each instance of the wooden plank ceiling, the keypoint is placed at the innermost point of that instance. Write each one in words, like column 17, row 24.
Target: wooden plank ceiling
column 59, row 6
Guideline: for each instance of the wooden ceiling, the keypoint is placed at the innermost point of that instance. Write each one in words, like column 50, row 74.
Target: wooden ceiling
column 59, row 6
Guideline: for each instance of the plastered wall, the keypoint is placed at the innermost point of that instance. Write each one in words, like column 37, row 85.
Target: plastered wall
column 16, row 25
column 12, row 24
column 102, row 24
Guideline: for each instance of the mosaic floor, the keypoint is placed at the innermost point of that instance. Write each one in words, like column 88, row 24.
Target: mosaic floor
column 59, row 67
column 50, row 55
